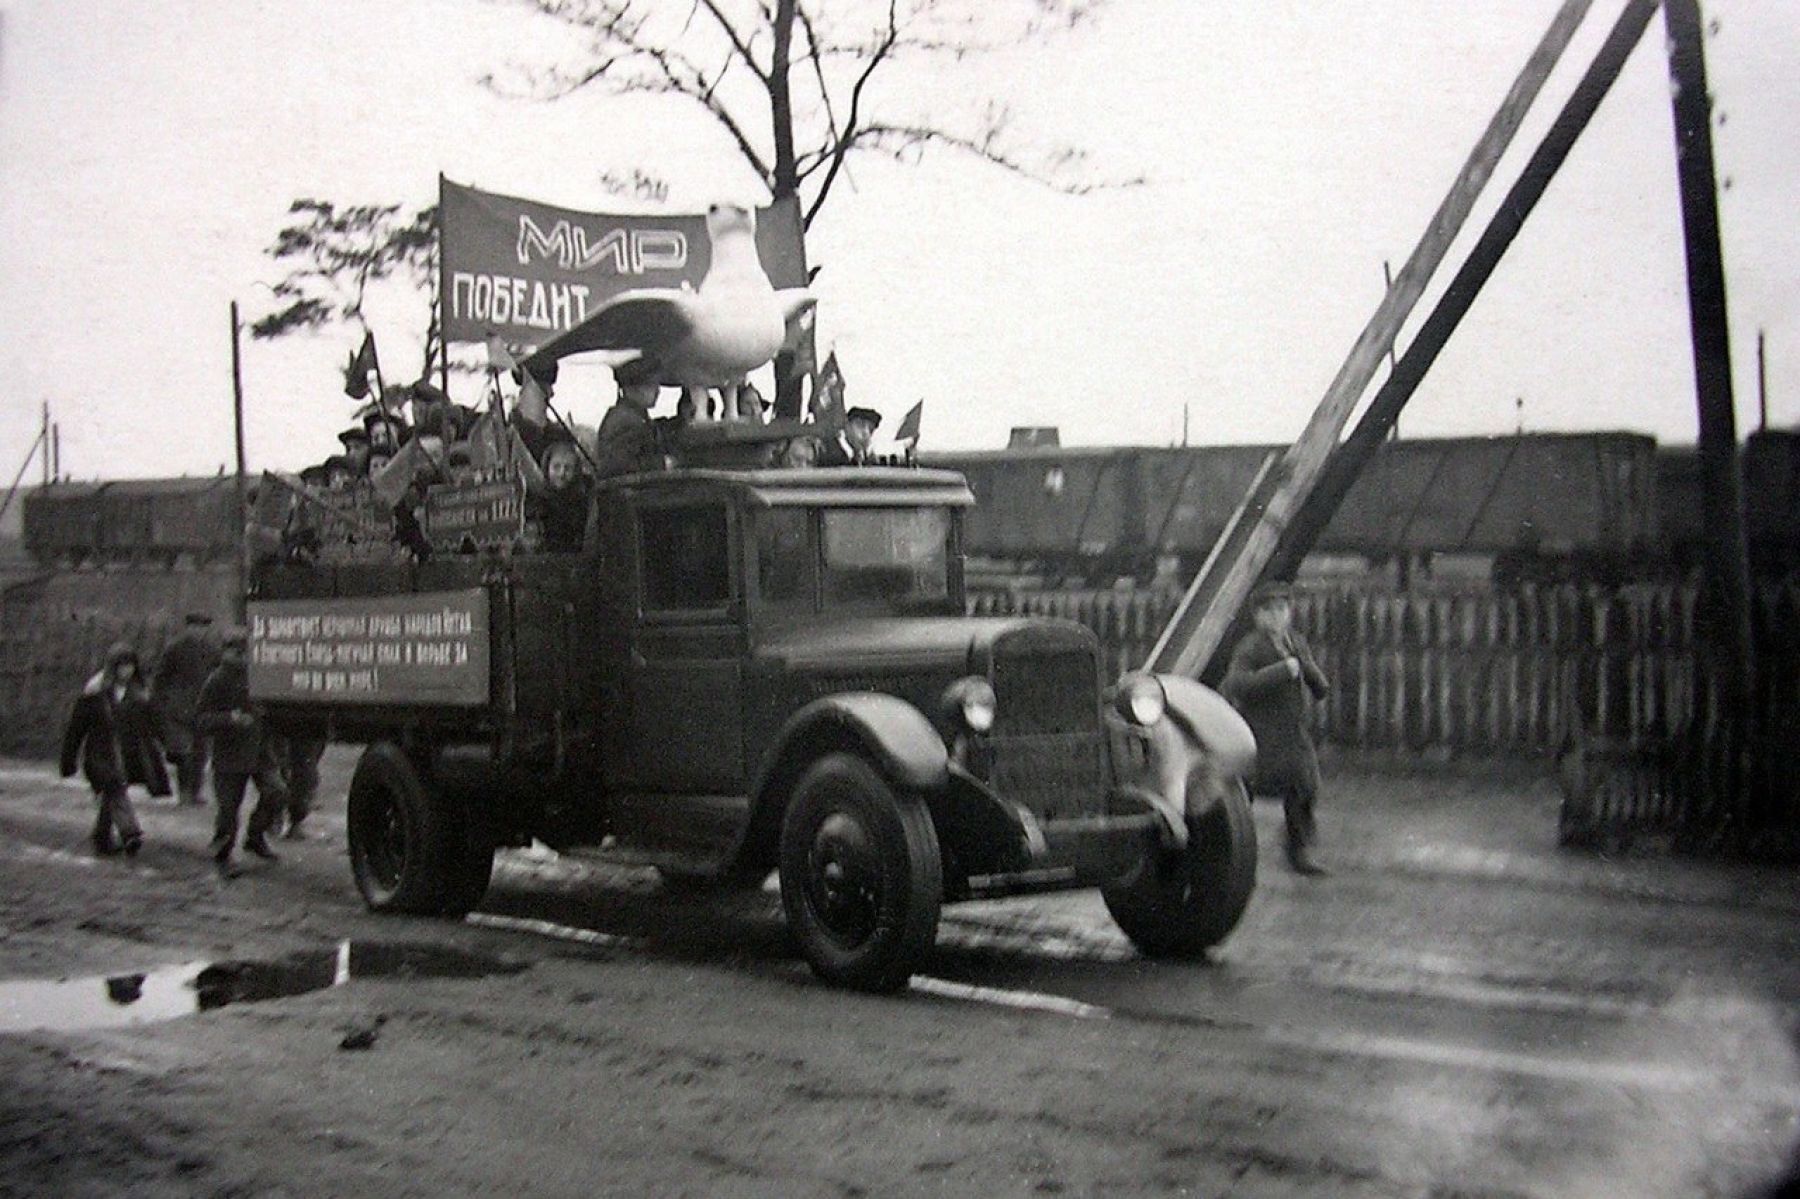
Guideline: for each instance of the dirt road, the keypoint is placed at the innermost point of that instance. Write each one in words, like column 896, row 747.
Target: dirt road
column 1458, row 1010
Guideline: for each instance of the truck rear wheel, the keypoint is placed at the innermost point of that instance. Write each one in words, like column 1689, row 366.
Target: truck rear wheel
column 861, row 877
column 410, row 847
column 1181, row 904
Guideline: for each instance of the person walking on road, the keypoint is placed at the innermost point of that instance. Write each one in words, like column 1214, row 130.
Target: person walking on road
column 112, row 733
column 180, row 670
column 300, row 772
column 1271, row 676
column 242, row 751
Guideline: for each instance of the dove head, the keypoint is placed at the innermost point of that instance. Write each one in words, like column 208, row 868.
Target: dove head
column 726, row 219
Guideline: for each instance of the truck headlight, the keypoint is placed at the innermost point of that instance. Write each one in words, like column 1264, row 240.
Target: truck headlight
column 970, row 703
column 1141, row 699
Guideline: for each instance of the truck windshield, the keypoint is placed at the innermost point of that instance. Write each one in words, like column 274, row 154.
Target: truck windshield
column 890, row 560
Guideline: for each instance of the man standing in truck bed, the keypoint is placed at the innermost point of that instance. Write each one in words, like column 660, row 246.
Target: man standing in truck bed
column 1272, row 672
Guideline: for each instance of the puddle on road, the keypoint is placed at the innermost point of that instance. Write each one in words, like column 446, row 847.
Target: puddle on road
column 70, row 1005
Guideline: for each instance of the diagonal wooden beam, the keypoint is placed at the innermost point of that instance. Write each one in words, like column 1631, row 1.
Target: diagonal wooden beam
column 1372, row 428
column 1213, row 600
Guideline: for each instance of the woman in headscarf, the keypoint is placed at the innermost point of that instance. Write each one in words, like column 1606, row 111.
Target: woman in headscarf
column 112, row 732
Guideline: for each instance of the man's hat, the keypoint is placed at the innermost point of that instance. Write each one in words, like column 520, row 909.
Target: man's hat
column 354, row 434
column 872, row 417
column 1271, row 593
column 315, row 474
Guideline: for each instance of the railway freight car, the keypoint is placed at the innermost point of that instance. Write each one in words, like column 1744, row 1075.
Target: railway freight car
column 1545, row 501
column 1771, row 473
column 136, row 521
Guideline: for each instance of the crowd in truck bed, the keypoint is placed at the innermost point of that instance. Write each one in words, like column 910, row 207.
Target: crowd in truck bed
column 414, row 453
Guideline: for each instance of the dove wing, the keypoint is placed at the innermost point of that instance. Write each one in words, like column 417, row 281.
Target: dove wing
column 649, row 320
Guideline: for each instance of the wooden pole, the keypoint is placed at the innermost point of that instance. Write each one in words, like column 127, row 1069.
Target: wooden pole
column 237, row 412
column 55, row 451
column 1721, row 484
column 1762, row 385
column 1365, row 439
column 1216, row 596
column 44, row 441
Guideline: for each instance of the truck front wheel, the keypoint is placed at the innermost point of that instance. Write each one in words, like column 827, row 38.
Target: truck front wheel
column 409, row 849
column 861, row 877
column 1183, row 903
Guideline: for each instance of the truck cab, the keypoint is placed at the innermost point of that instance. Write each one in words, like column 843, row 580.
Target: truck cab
column 747, row 670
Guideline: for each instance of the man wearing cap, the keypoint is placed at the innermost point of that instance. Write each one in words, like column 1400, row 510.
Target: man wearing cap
column 851, row 447
column 242, row 751
column 181, row 669
column 1272, row 674
column 356, row 450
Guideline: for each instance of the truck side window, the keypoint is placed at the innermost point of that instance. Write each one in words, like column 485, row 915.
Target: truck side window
column 784, row 558
column 686, row 556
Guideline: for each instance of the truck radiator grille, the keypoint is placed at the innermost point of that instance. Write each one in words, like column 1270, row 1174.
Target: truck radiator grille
column 1053, row 776
column 1047, row 741
column 1053, row 692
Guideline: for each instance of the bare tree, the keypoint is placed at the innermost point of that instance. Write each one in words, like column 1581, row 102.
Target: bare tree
column 800, row 86
column 334, row 254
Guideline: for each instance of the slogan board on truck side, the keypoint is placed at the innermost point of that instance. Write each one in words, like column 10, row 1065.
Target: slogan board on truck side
column 425, row 648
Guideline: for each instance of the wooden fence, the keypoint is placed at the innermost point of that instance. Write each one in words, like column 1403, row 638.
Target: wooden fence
column 1611, row 681
column 55, row 628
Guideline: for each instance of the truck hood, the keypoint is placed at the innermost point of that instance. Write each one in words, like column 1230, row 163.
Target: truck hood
column 959, row 642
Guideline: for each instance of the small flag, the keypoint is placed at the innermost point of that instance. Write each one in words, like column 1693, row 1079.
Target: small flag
column 391, row 481
column 499, row 357
column 533, row 403
column 356, row 371
column 909, row 424
column 828, row 388
column 484, row 441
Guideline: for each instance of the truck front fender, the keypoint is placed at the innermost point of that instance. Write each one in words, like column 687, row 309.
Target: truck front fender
column 1199, row 729
column 1212, row 724
column 894, row 734
column 890, row 732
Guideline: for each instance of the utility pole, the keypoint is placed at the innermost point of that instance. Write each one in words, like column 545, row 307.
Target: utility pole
column 55, row 452
column 44, row 441
column 1721, row 481
column 237, row 411
column 1762, row 386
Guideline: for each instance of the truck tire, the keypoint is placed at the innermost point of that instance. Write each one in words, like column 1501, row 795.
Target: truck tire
column 861, row 877
column 407, row 849
column 1181, row 904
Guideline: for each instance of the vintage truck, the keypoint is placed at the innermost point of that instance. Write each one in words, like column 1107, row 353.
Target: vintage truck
column 746, row 670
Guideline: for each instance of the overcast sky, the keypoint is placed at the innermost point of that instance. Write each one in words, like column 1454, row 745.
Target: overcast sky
column 149, row 150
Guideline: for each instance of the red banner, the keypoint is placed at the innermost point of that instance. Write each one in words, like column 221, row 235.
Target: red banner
column 529, row 271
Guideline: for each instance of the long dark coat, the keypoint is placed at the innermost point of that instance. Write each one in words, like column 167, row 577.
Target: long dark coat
column 1273, row 703
column 236, row 749
column 181, row 670
column 115, row 740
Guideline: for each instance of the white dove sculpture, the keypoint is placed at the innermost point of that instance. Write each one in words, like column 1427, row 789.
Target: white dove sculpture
column 709, row 337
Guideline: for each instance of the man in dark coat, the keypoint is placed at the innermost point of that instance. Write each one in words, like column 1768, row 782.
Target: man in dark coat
column 1272, row 674
column 242, row 751
column 626, row 439
column 112, row 733
column 182, row 668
